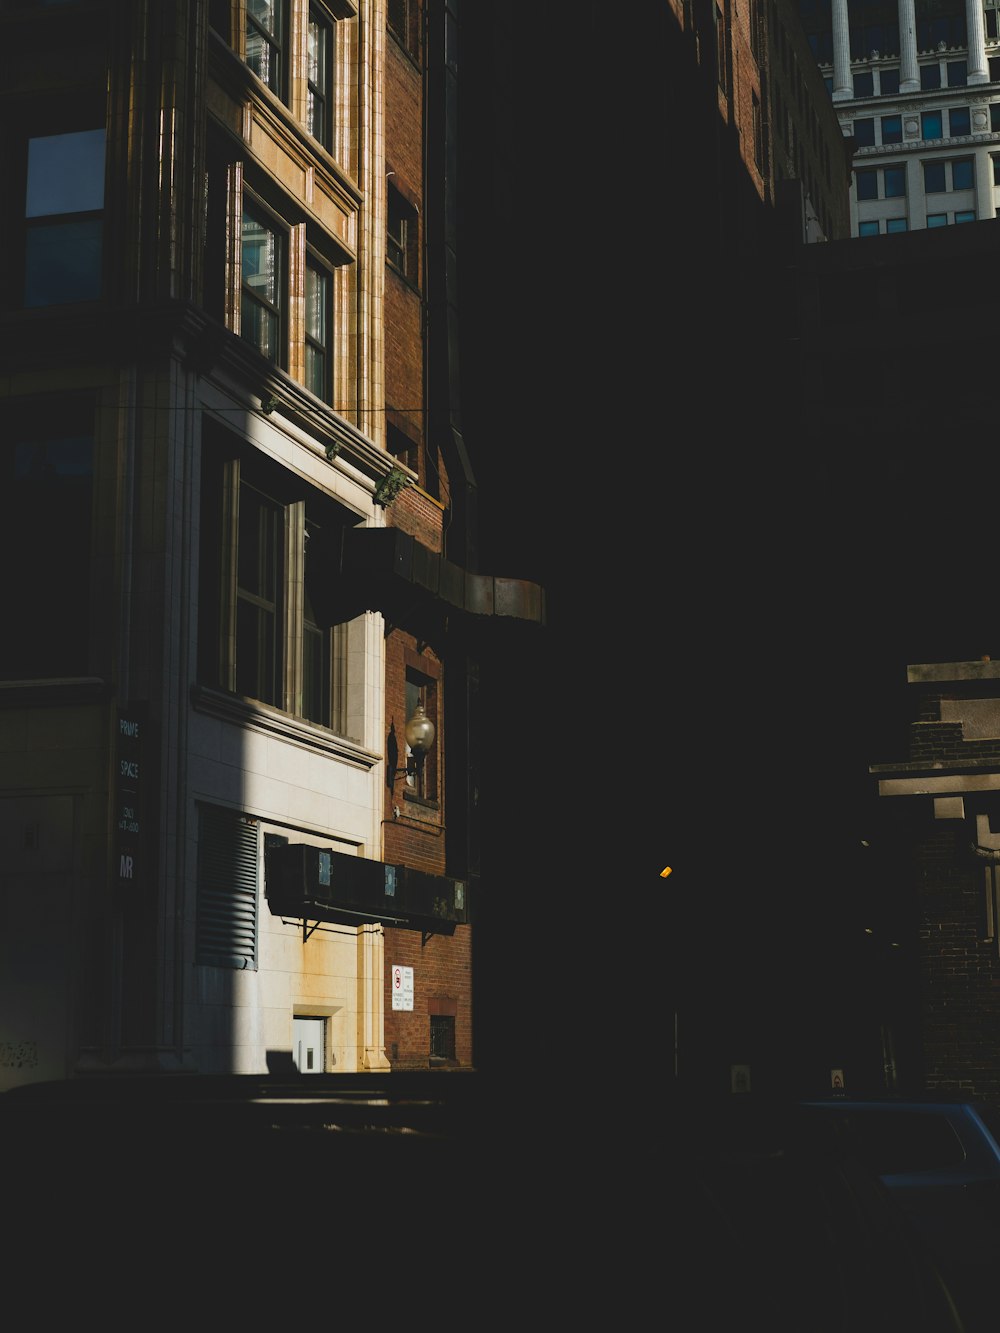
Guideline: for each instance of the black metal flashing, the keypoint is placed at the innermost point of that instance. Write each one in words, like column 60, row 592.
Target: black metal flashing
column 320, row 884
column 416, row 589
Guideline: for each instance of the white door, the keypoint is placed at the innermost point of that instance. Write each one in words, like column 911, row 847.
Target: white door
column 308, row 1044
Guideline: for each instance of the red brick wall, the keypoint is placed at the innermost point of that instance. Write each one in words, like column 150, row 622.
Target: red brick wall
column 442, row 970
column 960, row 969
column 441, row 964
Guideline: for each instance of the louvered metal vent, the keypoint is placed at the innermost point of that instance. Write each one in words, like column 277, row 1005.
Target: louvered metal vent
column 226, row 933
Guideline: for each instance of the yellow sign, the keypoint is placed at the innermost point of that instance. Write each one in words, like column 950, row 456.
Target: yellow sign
column 665, row 872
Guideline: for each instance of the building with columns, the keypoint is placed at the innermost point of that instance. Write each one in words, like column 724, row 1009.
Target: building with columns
column 916, row 90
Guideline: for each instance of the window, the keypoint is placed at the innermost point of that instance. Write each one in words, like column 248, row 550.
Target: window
column 319, row 287
column 864, row 85
column 892, row 129
column 995, row 116
column 994, row 64
column 46, row 489
column 889, row 82
column 720, row 47
column 996, row 170
column 963, row 176
column 894, row 182
column 404, row 24
column 957, row 73
column 959, row 121
column 226, row 923
column 247, row 276
column 934, row 181
column 937, row 219
column 263, row 283
column 895, row 224
column 867, row 184
column 401, row 238
column 758, row 131
column 867, row 228
column 966, row 215
column 401, row 446
column 421, row 691
column 930, row 125
column 930, row 76
column 864, row 132
column 265, row 42
column 319, row 71
column 442, row 1037
column 269, row 573
column 64, row 228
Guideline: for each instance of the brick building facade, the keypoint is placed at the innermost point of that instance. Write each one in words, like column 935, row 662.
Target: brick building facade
column 944, row 831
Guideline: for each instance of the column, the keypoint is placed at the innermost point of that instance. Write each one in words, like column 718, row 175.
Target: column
column 978, row 71
column 843, row 86
column 909, row 71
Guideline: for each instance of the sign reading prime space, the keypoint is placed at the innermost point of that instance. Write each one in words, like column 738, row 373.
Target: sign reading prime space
column 130, row 734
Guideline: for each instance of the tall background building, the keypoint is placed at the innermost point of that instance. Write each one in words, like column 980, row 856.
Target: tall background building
column 915, row 87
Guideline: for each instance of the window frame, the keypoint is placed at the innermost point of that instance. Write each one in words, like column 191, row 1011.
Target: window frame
column 890, row 174
column 937, row 166
column 402, row 236
column 321, row 349
column 932, row 121
column 422, row 688
column 232, row 473
column 893, row 121
column 277, row 42
column 251, row 203
column 402, row 21
column 325, row 23
column 963, row 162
column 964, row 114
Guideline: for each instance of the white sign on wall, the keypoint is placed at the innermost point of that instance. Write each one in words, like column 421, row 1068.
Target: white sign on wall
column 402, row 987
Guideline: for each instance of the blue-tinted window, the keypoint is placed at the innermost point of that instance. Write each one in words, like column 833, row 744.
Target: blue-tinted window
column 889, row 82
column 963, row 176
column 867, row 228
column 930, row 76
column 895, row 224
column 934, row 181
column 957, row 73
column 864, row 85
column 864, row 132
column 265, row 42
column 937, row 219
column 867, row 184
column 65, row 174
column 966, row 215
column 892, row 129
column 262, row 276
column 930, row 125
column 959, row 121
column 894, row 182
column 63, row 207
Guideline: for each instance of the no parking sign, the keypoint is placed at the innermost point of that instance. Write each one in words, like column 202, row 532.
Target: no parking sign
column 402, row 987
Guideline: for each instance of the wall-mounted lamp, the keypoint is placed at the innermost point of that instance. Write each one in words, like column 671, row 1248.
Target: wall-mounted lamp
column 419, row 734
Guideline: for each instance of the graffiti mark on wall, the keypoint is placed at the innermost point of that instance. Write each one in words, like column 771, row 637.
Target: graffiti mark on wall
column 18, row 1054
